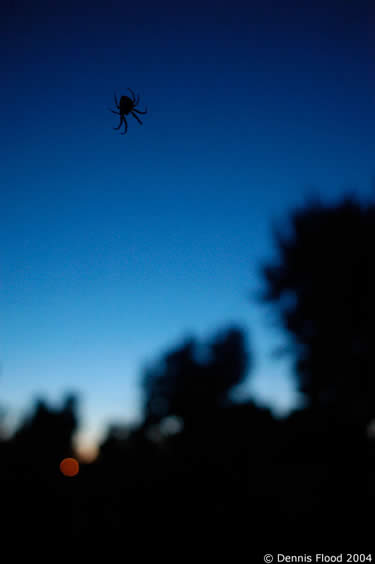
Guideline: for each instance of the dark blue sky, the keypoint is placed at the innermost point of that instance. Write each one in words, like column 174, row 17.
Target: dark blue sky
column 114, row 247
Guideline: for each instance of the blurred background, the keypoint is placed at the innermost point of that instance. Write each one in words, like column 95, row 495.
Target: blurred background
column 195, row 296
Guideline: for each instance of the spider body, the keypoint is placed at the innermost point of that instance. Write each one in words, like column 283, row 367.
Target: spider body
column 125, row 107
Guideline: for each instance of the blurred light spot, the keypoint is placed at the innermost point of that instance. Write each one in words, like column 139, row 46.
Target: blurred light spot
column 87, row 455
column 69, row 467
column 371, row 429
column 171, row 425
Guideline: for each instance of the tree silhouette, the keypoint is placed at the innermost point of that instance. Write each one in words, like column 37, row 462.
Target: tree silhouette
column 323, row 287
column 48, row 433
column 194, row 379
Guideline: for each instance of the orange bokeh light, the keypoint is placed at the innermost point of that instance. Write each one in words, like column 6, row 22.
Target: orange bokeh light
column 69, row 467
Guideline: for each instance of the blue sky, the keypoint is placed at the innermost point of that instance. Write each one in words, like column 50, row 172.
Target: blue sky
column 114, row 248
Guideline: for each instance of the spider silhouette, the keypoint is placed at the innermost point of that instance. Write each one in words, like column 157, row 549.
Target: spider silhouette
column 127, row 106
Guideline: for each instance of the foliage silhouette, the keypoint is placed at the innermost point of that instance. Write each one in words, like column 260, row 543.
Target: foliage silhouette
column 48, row 432
column 185, row 385
column 323, row 288
column 37, row 502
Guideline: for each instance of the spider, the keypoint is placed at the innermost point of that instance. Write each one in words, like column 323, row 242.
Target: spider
column 127, row 106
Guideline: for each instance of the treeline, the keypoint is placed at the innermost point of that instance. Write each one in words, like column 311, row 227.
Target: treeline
column 202, row 465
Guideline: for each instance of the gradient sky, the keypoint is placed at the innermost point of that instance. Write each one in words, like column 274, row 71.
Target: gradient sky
column 114, row 248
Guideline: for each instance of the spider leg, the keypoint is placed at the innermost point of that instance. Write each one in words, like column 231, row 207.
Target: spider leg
column 126, row 127
column 137, row 118
column 117, row 113
column 139, row 111
column 132, row 93
column 137, row 100
column 121, row 118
